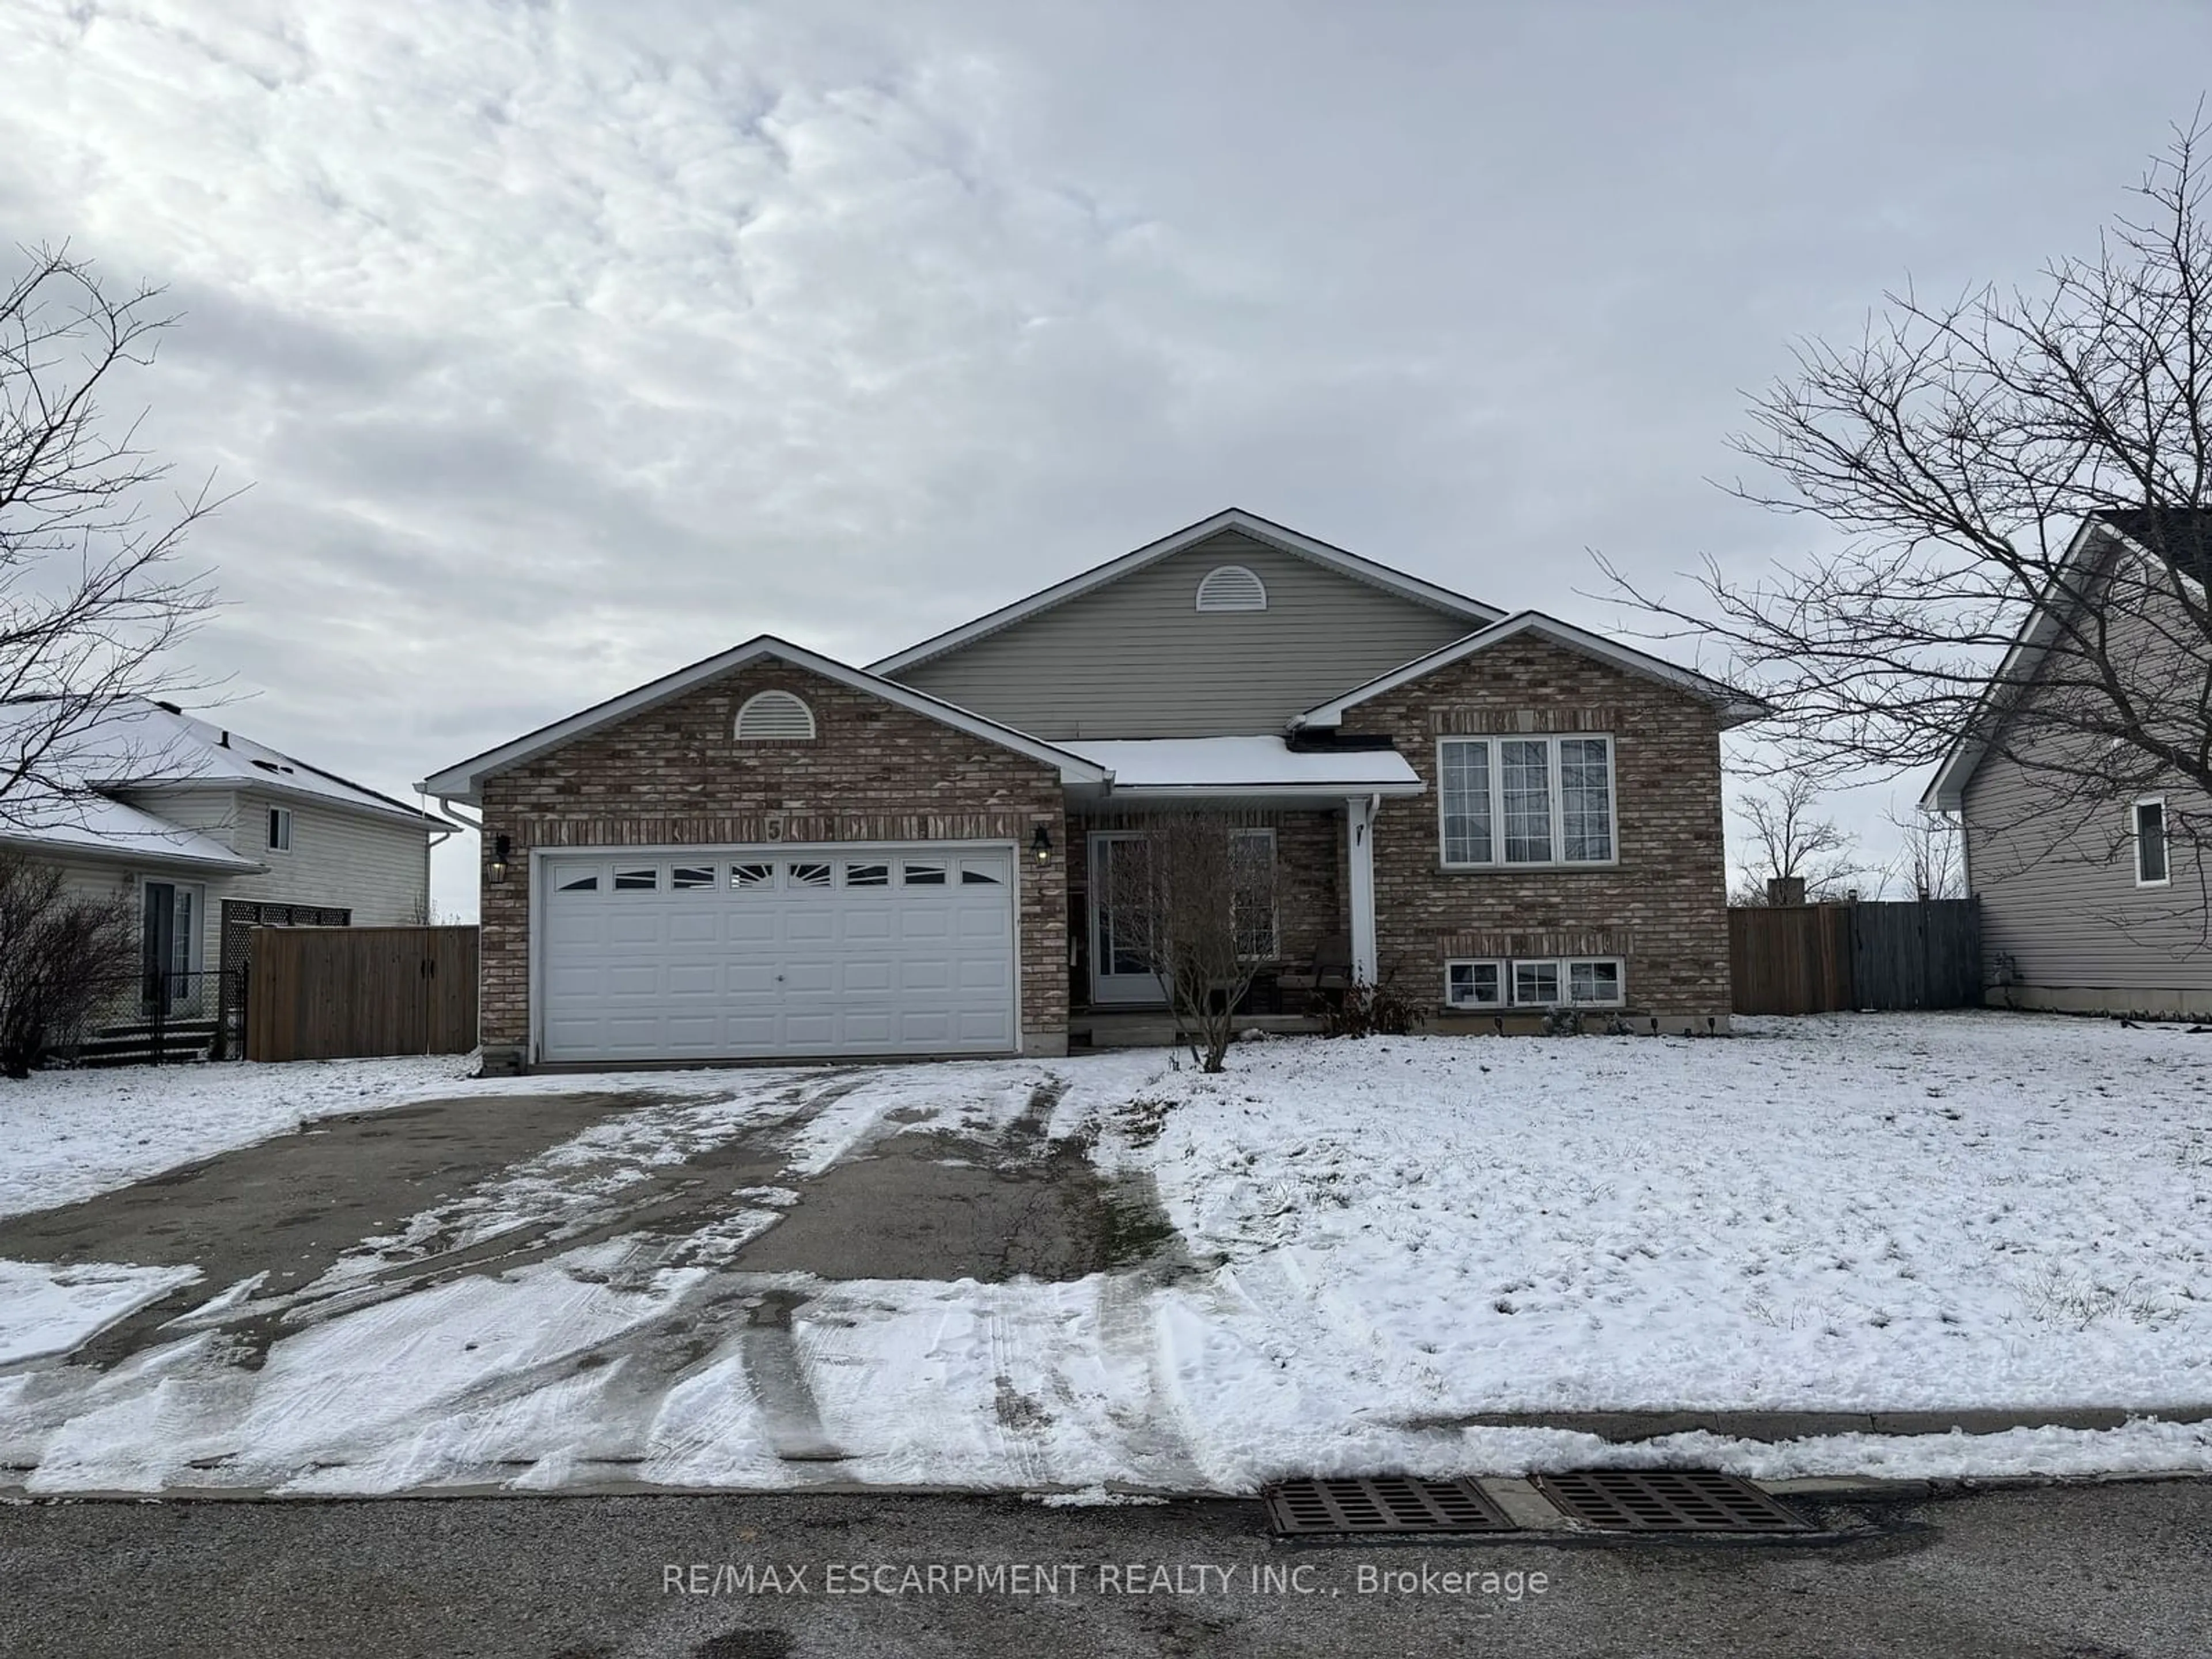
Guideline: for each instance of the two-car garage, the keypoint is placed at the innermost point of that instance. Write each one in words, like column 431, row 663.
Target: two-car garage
column 757, row 951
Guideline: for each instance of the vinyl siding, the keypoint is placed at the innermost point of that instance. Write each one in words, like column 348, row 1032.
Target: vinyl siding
column 377, row 869
column 1136, row 658
column 2060, row 907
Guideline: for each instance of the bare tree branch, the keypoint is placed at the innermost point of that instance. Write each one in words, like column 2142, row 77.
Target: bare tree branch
column 1958, row 446
column 1790, row 842
column 1196, row 906
column 93, row 594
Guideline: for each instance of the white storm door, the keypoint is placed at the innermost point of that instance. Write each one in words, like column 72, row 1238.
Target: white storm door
column 1121, row 965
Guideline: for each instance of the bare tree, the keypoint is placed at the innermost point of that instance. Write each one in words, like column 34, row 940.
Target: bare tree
column 1194, row 900
column 1928, row 865
column 92, row 594
column 61, row 957
column 2022, row 481
column 1788, row 841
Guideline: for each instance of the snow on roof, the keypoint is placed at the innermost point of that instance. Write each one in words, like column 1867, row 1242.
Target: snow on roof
column 144, row 744
column 1226, row 764
column 97, row 824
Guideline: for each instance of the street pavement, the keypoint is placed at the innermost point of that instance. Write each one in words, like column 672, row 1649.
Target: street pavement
column 2114, row 1570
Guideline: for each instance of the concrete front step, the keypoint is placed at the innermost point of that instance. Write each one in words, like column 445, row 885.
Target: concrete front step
column 134, row 1045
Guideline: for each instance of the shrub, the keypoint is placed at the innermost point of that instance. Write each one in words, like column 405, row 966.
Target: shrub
column 1372, row 1011
column 60, row 957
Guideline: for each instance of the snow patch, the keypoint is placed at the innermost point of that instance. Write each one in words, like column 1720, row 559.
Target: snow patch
column 48, row 1309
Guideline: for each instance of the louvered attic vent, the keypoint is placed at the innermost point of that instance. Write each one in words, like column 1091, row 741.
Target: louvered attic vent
column 774, row 716
column 1231, row 587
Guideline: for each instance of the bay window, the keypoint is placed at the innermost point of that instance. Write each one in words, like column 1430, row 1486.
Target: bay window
column 1525, row 801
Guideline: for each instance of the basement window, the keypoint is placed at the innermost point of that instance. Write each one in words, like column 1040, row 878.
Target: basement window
column 1475, row 984
column 1577, row 982
column 2152, row 869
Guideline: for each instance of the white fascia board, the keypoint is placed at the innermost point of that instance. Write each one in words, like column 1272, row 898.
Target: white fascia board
column 394, row 812
column 1312, row 791
column 1737, row 709
column 462, row 781
column 1250, row 523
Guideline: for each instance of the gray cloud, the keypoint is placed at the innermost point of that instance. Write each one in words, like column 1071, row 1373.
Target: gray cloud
column 566, row 345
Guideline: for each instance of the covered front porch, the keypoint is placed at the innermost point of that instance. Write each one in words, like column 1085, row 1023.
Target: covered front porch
column 1311, row 810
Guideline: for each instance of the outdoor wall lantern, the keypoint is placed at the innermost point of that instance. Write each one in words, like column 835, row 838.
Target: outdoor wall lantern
column 1041, row 844
column 501, row 848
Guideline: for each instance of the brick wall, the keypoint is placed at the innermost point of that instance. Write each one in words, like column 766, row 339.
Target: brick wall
column 1663, row 907
column 673, row 775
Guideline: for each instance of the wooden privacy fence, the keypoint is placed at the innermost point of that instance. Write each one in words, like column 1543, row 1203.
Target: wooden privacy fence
column 344, row 993
column 1812, row 959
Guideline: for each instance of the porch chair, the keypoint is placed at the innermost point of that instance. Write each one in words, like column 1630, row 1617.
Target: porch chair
column 1328, row 971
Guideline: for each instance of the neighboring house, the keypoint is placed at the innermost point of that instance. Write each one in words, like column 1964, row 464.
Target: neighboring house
column 2093, row 900
column 205, row 834
column 770, row 853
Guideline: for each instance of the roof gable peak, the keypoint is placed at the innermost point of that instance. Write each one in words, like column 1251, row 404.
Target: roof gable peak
column 1236, row 519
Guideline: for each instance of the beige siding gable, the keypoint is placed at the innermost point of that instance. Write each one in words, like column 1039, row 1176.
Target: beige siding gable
column 2060, row 905
column 1137, row 659
column 378, row 870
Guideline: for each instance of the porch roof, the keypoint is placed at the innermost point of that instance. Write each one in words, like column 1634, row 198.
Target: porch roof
column 100, row 827
column 1244, row 768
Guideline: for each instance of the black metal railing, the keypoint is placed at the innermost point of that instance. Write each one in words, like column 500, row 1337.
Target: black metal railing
column 162, row 1015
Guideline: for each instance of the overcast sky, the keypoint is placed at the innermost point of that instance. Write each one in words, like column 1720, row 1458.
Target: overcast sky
column 564, row 344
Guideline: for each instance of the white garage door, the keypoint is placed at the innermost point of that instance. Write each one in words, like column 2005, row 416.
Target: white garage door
column 777, row 950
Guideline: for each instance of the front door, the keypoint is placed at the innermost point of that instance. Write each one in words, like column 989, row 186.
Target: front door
column 166, row 952
column 1120, row 966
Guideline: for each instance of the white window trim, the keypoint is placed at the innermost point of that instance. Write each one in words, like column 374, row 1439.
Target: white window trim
column 1567, row 966
column 1504, row 980
column 2165, row 838
column 1564, row 967
column 1274, row 887
column 1497, row 773
column 278, row 815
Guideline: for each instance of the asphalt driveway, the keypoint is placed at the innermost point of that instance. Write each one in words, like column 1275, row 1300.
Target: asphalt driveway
column 749, row 1202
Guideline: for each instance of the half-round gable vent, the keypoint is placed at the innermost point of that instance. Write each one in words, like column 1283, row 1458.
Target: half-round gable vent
column 772, row 715
column 1231, row 587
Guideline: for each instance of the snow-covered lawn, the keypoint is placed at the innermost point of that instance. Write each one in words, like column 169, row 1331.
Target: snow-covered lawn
column 1860, row 1213
column 1376, row 1242
column 1851, row 1213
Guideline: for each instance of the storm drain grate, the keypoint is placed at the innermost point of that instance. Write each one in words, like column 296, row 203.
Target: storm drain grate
column 1666, row 1500
column 1390, row 1503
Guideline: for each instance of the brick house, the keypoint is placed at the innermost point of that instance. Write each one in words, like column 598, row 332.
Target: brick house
column 772, row 853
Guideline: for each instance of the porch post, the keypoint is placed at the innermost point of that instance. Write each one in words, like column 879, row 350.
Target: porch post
column 1359, row 827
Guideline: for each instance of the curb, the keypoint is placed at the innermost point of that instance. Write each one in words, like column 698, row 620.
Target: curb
column 1630, row 1426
